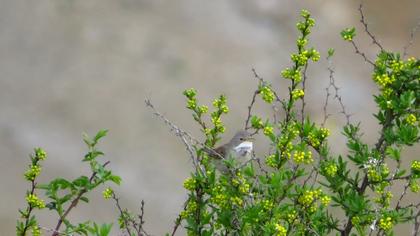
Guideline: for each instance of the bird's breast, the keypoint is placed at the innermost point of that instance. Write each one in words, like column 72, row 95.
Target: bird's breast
column 244, row 148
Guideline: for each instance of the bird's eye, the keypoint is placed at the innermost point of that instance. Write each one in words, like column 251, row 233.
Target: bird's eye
column 241, row 139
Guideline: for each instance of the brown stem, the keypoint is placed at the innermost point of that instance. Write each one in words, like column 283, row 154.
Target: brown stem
column 74, row 203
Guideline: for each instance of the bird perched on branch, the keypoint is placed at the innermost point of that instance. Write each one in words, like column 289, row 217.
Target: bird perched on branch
column 238, row 148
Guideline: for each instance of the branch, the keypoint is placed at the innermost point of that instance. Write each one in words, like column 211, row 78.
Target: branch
column 186, row 138
column 362, row 54
column 336, row 96
column 126, row 223
column 362, row 20
column 411, row 39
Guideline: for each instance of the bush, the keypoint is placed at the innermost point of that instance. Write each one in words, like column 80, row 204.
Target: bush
column 291, row 190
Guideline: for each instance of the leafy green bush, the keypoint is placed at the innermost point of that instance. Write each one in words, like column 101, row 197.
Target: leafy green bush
column 298, row 187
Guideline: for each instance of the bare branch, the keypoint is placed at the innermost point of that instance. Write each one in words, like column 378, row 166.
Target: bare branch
column 302, row 111
column 122, row 214
column 411, row 39
column 362, row 20
column 337, row 96
column 186, row 138
column 362, row 54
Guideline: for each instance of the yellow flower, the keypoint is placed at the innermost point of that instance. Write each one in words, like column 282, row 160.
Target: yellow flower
column 36, row 231
column 331, row 169
column 297, row 93
column 411, row 119
column 268, row 130
column 34, row 201
column 415, row 165
column 280, row 230
column 189, row 184
column 325, row 200
column 107, row 193
column 385, row 223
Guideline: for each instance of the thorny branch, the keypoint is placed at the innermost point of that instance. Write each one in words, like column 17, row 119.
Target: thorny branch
column 362, row 54
column 336, row 94
column 305, row 77
column 253, row 100
column 122, row 213
column 186, row 138
column 411, row 39
column 362, row 20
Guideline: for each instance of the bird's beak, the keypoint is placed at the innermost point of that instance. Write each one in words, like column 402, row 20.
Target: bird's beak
column 250, row 139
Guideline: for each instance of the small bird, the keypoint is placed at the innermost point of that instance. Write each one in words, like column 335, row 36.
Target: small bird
column 239, row 148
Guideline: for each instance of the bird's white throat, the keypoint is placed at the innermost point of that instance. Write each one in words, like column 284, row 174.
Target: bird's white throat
column 244, row 148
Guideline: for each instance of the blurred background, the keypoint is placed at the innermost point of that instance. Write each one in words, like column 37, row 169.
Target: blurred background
column 73, row 66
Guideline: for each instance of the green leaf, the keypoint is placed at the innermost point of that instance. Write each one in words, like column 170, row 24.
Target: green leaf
column 330, row 52
column 116, row 179
column 99, row 135
column 84, row 199
column 82, row 181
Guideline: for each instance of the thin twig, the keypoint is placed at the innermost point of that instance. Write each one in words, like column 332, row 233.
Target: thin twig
column 122, row 214
column 362, row 20
column 250, row 108
column 397, row 207
column 337, row 96
column 411, row 39
column 186, row 138
column 302, row 111
column 362, row 54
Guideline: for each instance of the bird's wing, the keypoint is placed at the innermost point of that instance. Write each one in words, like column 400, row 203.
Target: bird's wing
column 220, row 150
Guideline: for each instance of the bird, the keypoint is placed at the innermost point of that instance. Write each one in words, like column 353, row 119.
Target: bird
column 238, row 148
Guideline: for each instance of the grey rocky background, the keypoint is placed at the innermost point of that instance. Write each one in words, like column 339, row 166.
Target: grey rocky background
column 68, row 66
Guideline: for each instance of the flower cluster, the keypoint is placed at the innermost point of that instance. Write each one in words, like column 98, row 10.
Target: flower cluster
column 107, row 193
column 190, row 184
column 411, row 119
column 240, row 182
column 384, row 199
column 324, row 132
column 386, row 223
column 268, row 130
column 316, row 136
column 297, row 93
column 267, row 93
column 415, row 166
column 271, row 160
column 376, row 174
column 330, row 169
column 303, row 157
column 34, row 201
column 348, row 34
column 280, row 230
column 292, row 74
column 190, row 209
column 221, row 107
column 308, row 198
column 192, row 100
column 33, row 172
column 40, row 154
column 220, row 104
column 35, row 168
column 414, row 186
column 384, row 80
column 257, row 122
column 325, row 200
column 36, row 231
column 291, row 216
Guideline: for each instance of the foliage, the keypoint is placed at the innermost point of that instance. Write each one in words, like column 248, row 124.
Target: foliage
column 302, row 182
column 298, row 187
